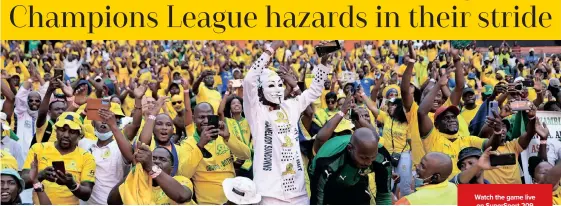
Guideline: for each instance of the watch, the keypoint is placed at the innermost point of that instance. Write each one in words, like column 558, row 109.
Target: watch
column 155, row 171
column 38, row 187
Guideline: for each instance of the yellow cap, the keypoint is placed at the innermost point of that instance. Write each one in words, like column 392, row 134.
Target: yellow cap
column 72, row 119
column 116, row 109
column 145, row 77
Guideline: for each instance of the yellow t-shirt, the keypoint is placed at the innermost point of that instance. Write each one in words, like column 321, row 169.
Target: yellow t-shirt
column 509, row 174
column 160, row 197
column 395, row 130
column 436, row 141
column 8, row 161
column 211, row 96
column 468, row 115
column 209, row 173
column 42, row 129
column 80, row 163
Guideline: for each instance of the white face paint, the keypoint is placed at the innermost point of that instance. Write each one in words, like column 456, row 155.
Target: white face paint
column 272, row 88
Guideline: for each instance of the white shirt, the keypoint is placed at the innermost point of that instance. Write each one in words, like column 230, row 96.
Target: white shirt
column 277, row 167
column 25, row 122
column 109, row 171
column 71, row 67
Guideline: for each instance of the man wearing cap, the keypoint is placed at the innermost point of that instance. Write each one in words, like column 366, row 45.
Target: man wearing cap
column 77, row 181
column 12, row 186
column 470, row 108
column 531, row 59
column 8, row 144
column 52, row 107
column 472, row 161
column 442, row 135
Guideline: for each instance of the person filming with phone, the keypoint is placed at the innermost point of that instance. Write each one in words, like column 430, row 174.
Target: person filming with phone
column 66, row 171
column 206, row 155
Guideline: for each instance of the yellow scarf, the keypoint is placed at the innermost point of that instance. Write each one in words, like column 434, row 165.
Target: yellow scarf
column 137, row 188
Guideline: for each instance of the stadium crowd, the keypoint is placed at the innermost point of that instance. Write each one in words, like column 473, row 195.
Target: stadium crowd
column 271, row 122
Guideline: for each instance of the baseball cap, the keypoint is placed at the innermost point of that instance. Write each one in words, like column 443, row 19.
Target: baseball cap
column 467, row 89
column 467, row 153
column 3, row 121
column 554, row 82
column 116, row 109
column 14, row 174
column 443, row 109
column 72, row 119
column 241, row 191
column 487, row 59
column 531, row 49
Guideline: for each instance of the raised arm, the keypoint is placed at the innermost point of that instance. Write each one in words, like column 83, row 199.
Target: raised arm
column 314, row 92
column 406, row 78
column 456, row 95
column 326, row 132
column 131, row 130
column 124, row 144
column 425, row 123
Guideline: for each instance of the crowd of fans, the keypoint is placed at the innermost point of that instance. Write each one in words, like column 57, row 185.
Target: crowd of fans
column 268, row 122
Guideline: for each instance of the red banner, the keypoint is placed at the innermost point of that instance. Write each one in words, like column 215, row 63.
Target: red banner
column 504, row 195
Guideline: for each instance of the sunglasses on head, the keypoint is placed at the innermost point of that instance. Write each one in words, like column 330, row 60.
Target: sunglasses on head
column 178, row 102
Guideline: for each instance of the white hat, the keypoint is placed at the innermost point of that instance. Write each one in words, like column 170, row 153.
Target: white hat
column 3, row 120
column 531, row 49
column 487, row 58
column 519, row 79
column 241, row 191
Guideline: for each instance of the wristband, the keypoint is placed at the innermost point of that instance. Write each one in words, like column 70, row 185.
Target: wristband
column 186, row 91
column 296, row 88
column 30, row 80
column 152, row 117
column 532, row 118
column 543, row 141
column 268, row 48
column 77, row 187
column 433, row 80
column 38, row 187
column 412, row 60
column 341, row 113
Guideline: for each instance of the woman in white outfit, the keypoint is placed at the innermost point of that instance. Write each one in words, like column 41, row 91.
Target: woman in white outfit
column 277, row 165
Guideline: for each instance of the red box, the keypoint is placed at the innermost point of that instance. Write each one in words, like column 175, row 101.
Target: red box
column 504, row 195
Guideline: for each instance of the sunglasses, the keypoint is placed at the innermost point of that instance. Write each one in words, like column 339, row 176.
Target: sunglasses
column 331, row 101
column 174, row 103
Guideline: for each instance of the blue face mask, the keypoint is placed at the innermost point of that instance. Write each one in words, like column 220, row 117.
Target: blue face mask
column 420, row 182
column 103, row 136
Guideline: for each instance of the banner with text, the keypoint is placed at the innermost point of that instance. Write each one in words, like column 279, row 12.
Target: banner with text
column 553, row 122
column 283, row 20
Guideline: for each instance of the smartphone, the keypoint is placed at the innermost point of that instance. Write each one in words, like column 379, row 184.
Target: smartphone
column 330, row 47
column 493, row 107
column 59, row 74
column 59, row 165
column 502, row 159
column 528, row 83
column 213, row 120
column 93, row 106
column 236, row 83
column 520, row 105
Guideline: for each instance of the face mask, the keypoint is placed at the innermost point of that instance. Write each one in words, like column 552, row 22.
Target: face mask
column 177, row 81
column 272, row 87
column 103, row 136
column 420, row 182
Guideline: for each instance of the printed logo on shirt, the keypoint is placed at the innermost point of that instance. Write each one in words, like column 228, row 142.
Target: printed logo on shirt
column 27, row 124
column 289, row 170
column 268, row 148
column 72, row 165
column 91, row 174
column 281, row 117
column 288, row 142
column 221, row 149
